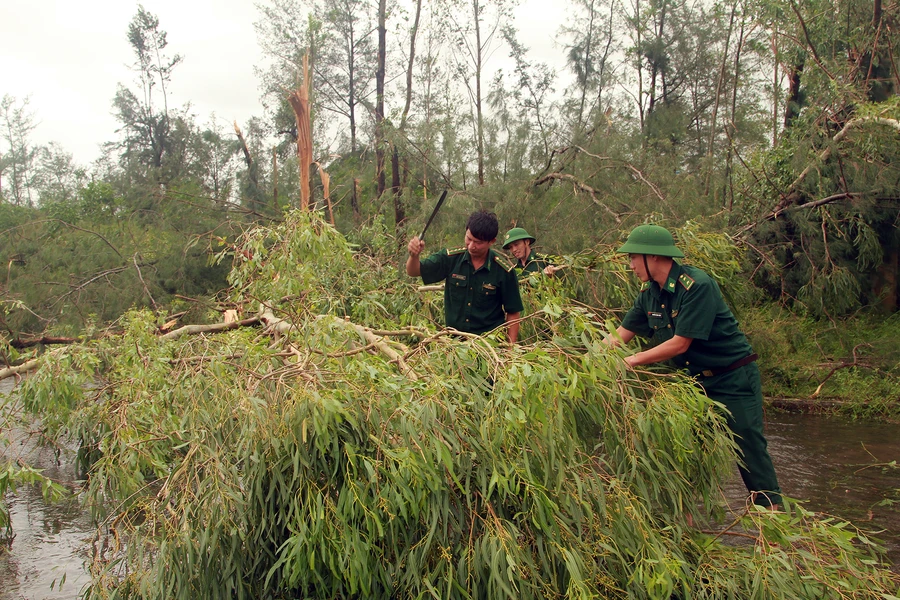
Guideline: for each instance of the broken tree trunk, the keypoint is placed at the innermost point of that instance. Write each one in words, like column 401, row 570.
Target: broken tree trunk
column 299, row 101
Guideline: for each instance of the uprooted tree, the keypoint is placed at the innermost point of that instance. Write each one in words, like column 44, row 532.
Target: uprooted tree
column 365, row 453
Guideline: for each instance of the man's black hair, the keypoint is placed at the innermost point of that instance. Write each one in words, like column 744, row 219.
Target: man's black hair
column 483, row 225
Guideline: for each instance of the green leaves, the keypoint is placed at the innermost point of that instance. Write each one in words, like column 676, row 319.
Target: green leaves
column 319, row 468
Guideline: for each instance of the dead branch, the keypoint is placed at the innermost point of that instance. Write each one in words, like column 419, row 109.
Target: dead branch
column 44, row 340
column 406, row 331
column 352, row 352
column 792, row 195
column 19, row 369
column 385, row 348
column 809, row 44
column 26, row 366
column 192, row 329
column 70, row 226
column 581, row 186
column 299, row 101
column 843, row 365
column 89, row 281
column 173, row 320
column 637, row 172
column 143, row 283
column 199, row 359
column 326, row 191
column 247, row 158
column 430, row 288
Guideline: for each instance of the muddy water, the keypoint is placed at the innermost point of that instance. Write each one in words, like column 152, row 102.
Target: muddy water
column 825, row 461
column 837, row 466
column 46, row 557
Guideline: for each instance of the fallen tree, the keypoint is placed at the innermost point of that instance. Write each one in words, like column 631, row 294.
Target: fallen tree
column 368, row 455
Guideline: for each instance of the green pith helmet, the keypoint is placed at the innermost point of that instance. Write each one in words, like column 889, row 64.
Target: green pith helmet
column 514, row 235
column 651, row 239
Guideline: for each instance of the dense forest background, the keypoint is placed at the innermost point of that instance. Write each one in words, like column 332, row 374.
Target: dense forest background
column 773, row 121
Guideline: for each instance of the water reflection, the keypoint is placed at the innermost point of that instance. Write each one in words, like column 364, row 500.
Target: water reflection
column 47, row 556
column 832, row 464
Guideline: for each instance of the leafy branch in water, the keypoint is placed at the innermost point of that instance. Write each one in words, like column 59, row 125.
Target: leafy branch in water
column 221, row 464
column 14, row 474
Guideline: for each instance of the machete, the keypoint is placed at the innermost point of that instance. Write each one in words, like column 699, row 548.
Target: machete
column 437, row 207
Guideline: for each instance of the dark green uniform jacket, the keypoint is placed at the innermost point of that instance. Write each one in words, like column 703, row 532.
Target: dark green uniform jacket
column 690, row 304
column 534, row 264
column 475, row 301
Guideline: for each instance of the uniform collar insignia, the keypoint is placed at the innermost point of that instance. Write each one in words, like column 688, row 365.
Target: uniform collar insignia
column 674, row 275
column 686, row 281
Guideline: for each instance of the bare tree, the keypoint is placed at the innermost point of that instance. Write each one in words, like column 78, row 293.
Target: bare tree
column 18, row 160
column 477, row 39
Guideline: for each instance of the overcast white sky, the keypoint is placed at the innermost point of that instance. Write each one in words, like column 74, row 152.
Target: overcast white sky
column 67, row 57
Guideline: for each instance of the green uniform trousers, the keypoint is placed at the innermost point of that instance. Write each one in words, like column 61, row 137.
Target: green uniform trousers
column 741, row 393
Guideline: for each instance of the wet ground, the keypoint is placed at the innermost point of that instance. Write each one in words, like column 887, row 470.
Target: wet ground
column 834, row 465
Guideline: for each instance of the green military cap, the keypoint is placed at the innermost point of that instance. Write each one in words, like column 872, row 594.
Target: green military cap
column 514, row 235
column 651, row 239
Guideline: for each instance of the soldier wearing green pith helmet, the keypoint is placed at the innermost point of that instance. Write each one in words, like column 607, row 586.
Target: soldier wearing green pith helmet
column 518, row 242
column 682, row 309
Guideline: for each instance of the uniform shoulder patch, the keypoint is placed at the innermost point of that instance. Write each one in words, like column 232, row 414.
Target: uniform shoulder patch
column 504, row 263
column 645, row 286
column 454, row 251
column 686, row 281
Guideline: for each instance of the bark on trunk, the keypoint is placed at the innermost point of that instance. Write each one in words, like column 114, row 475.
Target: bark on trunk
column 792, row 110
column 379, row 99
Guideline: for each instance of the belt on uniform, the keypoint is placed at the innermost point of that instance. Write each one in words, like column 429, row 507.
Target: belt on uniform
column 735, row 365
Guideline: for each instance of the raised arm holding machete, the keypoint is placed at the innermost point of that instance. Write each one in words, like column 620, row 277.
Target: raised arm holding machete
column 437, row 207
column 481, row 290
column 417, row 244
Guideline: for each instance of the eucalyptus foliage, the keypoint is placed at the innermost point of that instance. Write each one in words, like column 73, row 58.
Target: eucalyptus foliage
column 365, row 454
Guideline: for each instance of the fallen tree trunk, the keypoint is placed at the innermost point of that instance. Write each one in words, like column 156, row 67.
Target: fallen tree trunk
column 806, row 405
column 19, row 369
column 43, row 340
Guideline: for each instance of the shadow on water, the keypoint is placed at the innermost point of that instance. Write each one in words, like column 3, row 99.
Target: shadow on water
column 829, row 463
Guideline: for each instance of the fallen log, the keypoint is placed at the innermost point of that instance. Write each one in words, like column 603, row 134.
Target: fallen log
column 807, row 405
column 29, row 365
column 44, row 340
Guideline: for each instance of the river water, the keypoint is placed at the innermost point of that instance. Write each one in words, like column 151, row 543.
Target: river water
column 830, row 463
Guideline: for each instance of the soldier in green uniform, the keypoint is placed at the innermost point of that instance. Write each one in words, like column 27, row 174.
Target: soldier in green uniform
column 682, row 308
column 481, row 290
column 518, row 242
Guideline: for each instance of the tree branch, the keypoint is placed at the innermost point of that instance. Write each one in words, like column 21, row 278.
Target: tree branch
column 192, row 329
column 843, row 365
column 143, row 283
column 792, row 195
column 809, row 43
column 581, row 186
